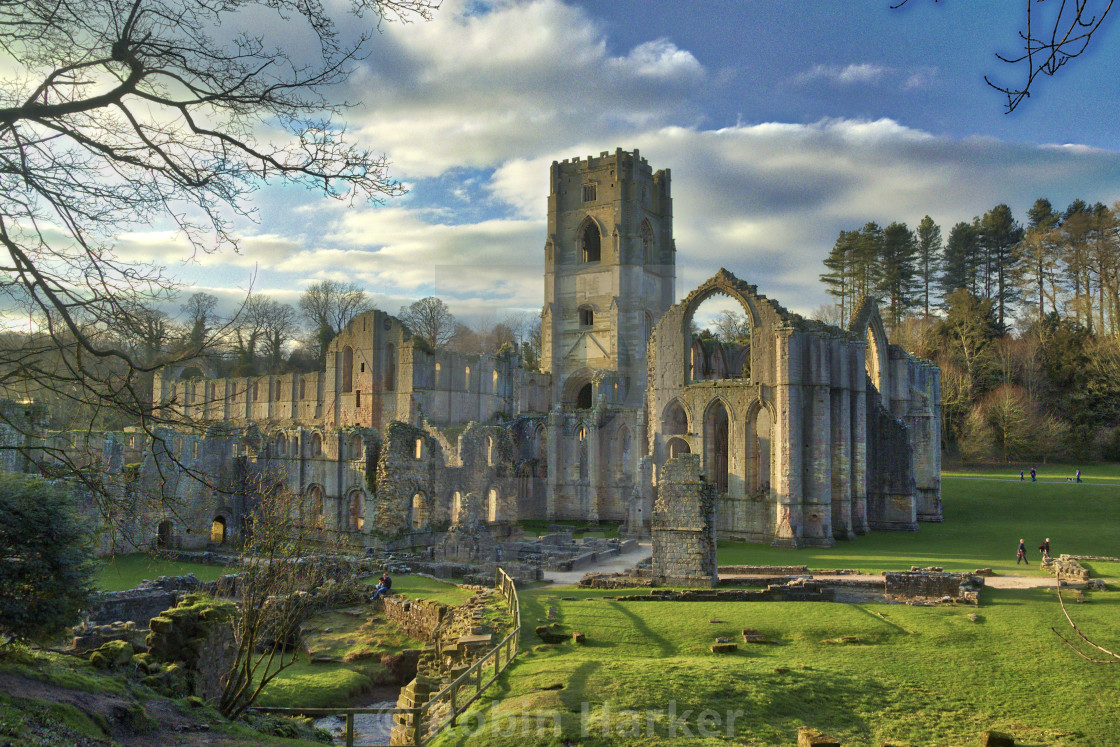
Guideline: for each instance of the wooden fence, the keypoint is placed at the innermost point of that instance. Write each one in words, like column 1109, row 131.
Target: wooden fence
column 444, row 707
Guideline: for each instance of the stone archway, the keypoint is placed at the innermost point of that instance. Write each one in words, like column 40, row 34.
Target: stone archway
column 717, row 430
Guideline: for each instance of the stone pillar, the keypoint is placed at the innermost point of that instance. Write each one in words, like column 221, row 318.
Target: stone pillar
column 787, row 440
column 841, row 426
column 594, row 466
column 555, row 432
column 684, row 525
column 817, row 503
column 858, row 372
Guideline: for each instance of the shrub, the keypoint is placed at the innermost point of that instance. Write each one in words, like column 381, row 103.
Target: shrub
column 46, row 559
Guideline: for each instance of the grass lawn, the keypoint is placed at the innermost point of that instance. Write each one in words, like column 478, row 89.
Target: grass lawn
column 986, row 512
column 917, row 676
column 126, row 571
column 420, row 587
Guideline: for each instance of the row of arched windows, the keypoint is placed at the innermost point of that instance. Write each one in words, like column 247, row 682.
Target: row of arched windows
column 590, row 238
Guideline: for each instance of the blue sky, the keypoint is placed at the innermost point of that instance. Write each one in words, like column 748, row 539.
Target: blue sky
column 782, row 122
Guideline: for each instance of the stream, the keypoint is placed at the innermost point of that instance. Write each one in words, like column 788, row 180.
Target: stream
column 369, row 728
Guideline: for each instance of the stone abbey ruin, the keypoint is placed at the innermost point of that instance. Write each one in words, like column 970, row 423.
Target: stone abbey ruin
column 805, row 433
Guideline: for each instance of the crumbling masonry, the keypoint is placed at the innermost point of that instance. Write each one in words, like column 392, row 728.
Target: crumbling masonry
column 807, row 433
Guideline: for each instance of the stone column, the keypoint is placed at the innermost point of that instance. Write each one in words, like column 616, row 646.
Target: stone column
column 787, row 440
column 841, row 423
column 554, row 431
column 594, row 462
column 817, row 504
column 858, row 372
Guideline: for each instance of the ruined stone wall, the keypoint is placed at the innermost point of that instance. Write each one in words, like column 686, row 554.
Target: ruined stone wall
column 417, row 618
column 684, row 527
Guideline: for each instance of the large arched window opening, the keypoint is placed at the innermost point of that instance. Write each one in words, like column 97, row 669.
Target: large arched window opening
column 590, row 243
column 348, row 369
column 357, row 519
column 758, row 452
column 715, row 445
column 314, row 501
column 677, row 446
column 674, row 422
column 419, row 511
column 645, row 236
column 456, row 506
column 492, row 505
column 583, row 398
column 719, row 340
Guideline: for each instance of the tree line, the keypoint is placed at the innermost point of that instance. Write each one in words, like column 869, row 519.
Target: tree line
column 1022, row 318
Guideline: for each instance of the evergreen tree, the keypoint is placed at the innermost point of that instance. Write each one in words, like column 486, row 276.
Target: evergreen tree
column 896, row 271
column 928, row 259
column 999, row 234
column 958, row 270
column 1038, row 255
column 865, row 255
column 838, row 280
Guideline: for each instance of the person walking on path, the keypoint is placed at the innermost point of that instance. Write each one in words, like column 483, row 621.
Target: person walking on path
column 1044, row 548
column 1078, row 475
column 1033, row 474
column 1021, row 555
column 1020, row 475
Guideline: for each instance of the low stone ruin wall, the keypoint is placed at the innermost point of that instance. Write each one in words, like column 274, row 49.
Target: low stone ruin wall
column 627, row 580
column 1067, row 570
column 932, row 585
column 417, row 618
column 763, row 570
column 141, row 604
column 797, row 591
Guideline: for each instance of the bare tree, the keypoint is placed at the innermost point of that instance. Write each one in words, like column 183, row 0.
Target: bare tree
column 200, row 309
column 431, row 319
column 1049, row 41
column 278, row 571
column 121, row 113
column 328, row 306
column 280, row 323
column 732, row 326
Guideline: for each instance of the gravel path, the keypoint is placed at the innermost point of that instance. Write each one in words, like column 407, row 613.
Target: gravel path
column 623, row 562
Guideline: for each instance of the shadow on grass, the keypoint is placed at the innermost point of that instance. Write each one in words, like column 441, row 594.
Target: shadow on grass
column 574, row 695
column 667, row 648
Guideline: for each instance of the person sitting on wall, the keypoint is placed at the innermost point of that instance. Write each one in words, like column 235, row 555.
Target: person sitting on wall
column 384, row 586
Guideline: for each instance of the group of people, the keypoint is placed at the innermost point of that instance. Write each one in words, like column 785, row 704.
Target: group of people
column 1034, row 476
column 1021, row 555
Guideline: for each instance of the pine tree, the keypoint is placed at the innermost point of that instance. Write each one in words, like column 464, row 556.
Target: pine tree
column 838, row 279
column 865, row 255
column 928, row 259
column 962, row 251
column 999, row 234
column 897, row 270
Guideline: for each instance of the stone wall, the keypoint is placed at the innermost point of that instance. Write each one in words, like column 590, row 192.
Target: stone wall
column 146, row 601
column 932, row 585
column 417, row 618
column 684, row 525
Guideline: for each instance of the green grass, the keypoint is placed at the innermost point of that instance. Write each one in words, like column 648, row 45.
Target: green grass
column 986, row 512
column 420, row 587
column 537, row 527
column 918, row 676
column 127, row 571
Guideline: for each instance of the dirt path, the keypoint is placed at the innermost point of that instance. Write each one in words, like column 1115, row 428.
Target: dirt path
column 622, row 562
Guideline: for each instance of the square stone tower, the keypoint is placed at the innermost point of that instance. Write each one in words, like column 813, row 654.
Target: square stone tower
column 610, row 267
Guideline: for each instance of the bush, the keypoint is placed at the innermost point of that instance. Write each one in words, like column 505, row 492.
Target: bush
column 46, row 559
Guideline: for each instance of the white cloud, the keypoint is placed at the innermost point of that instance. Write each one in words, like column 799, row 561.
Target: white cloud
column 470, row 89
column 856, row 73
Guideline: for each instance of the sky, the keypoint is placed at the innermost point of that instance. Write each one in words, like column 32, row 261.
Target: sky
column 783, row 123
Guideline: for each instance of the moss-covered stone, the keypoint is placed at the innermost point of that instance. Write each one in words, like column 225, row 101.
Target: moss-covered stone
column 112, row 654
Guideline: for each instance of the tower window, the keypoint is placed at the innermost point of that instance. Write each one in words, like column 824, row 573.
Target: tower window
column 591, row 245
column 586, row 316
column 589, row 193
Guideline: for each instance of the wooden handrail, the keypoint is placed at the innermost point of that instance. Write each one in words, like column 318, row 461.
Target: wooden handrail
column 508, row 589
